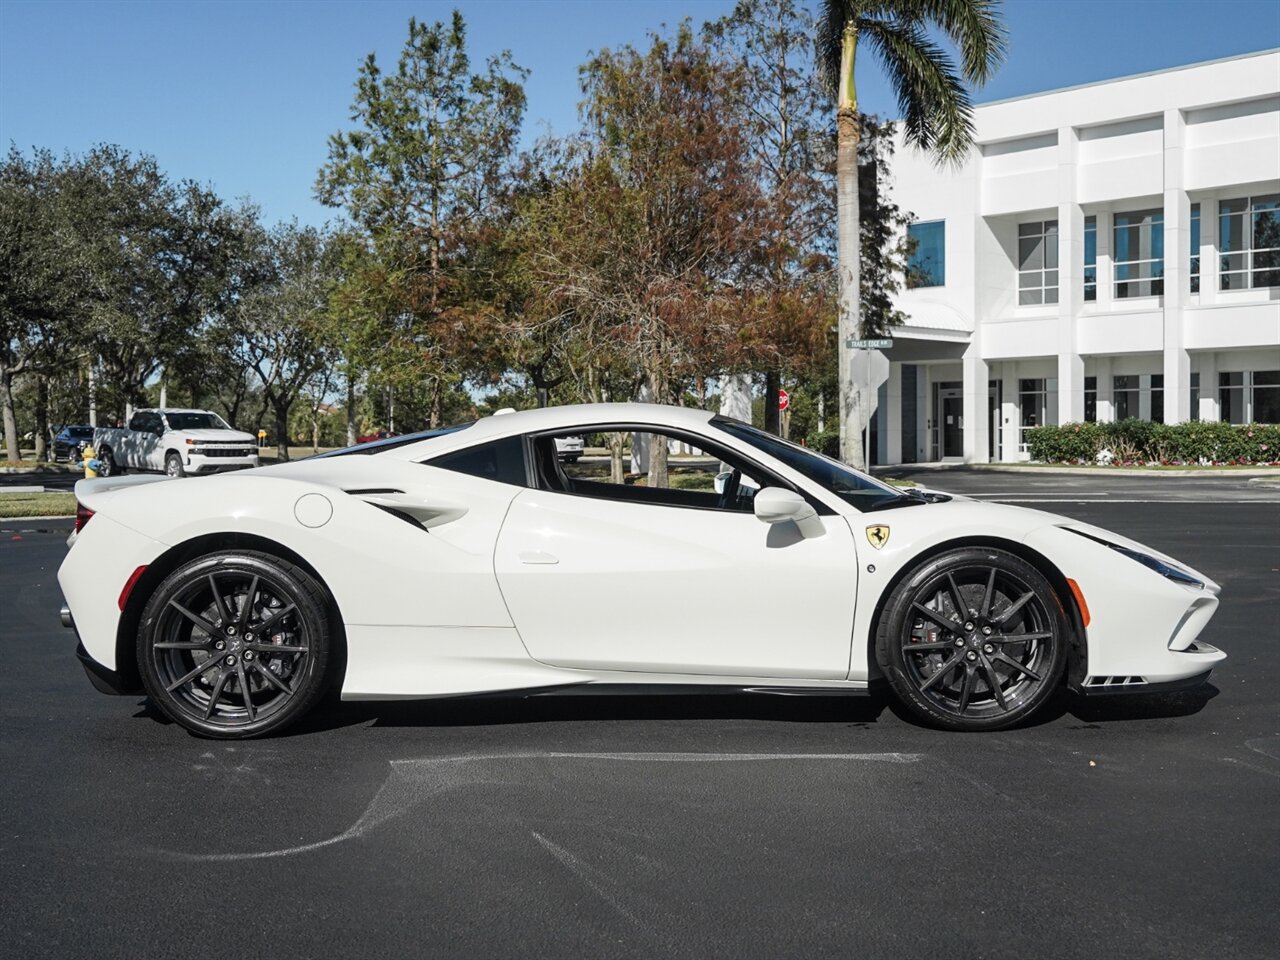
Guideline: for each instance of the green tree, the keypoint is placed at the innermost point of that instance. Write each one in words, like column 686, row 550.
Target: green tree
column 418, row 171
column 42, row 279
column 281, row 327
column 937, row 116
column 770, row 43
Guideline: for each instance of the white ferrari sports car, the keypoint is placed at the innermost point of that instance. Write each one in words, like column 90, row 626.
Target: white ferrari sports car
column 472, row 559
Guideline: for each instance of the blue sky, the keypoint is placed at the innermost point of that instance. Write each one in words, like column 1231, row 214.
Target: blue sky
column 242, row 95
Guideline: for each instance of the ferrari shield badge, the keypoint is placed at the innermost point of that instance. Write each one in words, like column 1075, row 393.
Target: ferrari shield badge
column 878, row 535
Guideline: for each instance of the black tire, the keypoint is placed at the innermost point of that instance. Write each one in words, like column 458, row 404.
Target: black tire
column 970, row 672
column 205, row 664
column 173, row 464
column 109, row 466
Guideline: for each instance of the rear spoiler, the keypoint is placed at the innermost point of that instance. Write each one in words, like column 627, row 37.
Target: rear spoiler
column 89, row 490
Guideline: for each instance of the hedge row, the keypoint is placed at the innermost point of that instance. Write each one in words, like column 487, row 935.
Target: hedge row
column 1139, row 441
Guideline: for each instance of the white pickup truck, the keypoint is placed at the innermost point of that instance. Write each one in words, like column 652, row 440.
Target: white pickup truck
column 177, row 442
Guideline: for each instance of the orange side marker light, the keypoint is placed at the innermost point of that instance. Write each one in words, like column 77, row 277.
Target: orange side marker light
column 1079, row 595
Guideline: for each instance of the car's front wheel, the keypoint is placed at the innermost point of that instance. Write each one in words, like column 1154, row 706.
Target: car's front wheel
column 973, row 639
column 235, row 644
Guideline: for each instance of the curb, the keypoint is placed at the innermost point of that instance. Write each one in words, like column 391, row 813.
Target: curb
column 51, row 468
column 1265, row 481
column 1261, row 474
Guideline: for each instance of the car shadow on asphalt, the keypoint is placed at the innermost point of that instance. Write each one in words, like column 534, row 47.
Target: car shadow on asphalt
column 563, row 707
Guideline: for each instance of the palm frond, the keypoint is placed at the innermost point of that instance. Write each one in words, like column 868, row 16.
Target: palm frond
column 974, row 26
column 937, row 112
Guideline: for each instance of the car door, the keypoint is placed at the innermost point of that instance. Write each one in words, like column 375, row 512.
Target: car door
column 149, row 454
column 594, row 581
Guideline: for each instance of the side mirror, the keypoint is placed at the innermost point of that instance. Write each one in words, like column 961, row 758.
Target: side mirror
column 774, row 505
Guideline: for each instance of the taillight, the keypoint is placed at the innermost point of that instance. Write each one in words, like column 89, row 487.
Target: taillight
column 83, row 516
column 130, row 584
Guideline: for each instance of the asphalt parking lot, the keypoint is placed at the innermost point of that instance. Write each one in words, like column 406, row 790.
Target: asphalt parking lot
column 725, row 826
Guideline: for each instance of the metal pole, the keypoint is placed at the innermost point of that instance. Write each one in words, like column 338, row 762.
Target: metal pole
column 866, row 420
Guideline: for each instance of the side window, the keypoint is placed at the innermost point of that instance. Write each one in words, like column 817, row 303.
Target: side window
column 138, row 422
column 620, row 465
column 500, row 460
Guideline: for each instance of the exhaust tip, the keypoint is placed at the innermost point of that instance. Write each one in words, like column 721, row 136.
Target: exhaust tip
column 65, row 616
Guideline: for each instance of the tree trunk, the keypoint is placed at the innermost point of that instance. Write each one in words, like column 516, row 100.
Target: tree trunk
column 10, row 416
column 772, row 416
column 351, row 410
column 617, row 472
column 658, row 474
column 847, row 136
column 42, row 417
column 436, row 403
column 282, row 431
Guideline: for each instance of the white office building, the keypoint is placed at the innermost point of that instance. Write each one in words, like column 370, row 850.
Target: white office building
column 1108, row 251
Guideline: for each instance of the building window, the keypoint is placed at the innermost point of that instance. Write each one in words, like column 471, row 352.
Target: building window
column 1090, row 399
column 1195, row 248
column 1195, row 396
column 1124, row 397
column 927, row 264
column 1091, row 258
column 1249, row 242
column 1249, row 397
column 1139, row 254
column 1038, row 262
column 1140, row 397
column 1038, row 404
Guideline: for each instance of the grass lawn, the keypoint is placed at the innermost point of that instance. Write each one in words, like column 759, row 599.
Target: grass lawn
column 1154, row 467
column 37, row 504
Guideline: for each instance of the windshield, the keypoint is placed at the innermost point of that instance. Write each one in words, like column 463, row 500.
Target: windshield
column 390, row 443
column 854, row 488
column 196, row 421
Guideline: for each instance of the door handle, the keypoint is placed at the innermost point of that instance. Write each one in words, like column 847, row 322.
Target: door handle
column 537, row 556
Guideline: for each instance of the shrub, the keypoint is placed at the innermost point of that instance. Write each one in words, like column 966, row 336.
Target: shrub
column 1139, row 441
column 825, row 441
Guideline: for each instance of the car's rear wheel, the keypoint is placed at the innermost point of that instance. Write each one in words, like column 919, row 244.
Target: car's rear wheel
column 235, row 644
column 973, row 639
column 109, row 466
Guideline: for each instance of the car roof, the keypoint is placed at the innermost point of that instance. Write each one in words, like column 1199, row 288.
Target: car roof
column 571, row 416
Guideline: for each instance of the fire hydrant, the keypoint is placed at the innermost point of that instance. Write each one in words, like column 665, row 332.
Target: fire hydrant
column 91, row 463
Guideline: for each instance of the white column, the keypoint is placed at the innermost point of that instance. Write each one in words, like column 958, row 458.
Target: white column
column 1208, row 365
column 1208, row 263
column 1009, row 412
column 976, row 429
column 1070, row 280
column 1105, row 221
column 1106, row 398
column 924, row 411
column 893, row 424
column 1177, row 254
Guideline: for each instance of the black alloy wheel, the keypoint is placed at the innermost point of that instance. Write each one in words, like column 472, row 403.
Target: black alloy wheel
column 974, row 639
column 235, row 644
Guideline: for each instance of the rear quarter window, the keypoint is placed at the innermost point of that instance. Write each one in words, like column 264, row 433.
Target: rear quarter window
column 500, row 460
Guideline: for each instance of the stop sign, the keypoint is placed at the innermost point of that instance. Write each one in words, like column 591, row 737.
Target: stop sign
column 784, row 400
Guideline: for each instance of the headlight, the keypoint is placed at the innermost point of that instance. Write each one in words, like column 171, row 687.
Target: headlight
column 1166, row 570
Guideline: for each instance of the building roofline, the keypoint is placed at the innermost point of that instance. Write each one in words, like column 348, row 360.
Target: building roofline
column 1130, row 76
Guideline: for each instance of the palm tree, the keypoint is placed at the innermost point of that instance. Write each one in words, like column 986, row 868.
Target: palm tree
column 937, row 116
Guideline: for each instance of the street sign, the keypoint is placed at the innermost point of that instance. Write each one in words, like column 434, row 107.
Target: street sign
column 869, row 344
column 784, row 400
